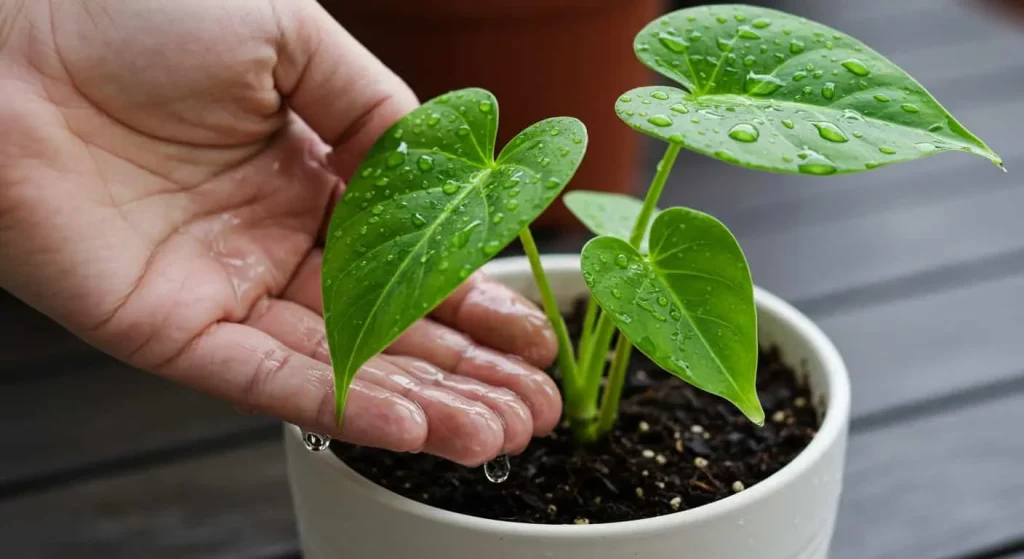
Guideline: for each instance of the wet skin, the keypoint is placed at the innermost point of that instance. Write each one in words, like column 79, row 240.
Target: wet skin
column 167, row 169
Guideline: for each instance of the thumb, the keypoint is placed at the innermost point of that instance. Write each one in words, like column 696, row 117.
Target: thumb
column 334, row 84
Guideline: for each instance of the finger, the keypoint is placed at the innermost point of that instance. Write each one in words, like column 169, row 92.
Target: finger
column 453, row 351
column 514, row 413
column 252, row 370
column 337, row 86
column 459, row 429
column 498, row 317
column 467, row 422
column 304, row 287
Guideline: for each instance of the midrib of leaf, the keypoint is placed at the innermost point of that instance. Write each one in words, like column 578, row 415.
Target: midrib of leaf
column 419, row 245
column 484, row 158
column 657, row 270
column 718, row 67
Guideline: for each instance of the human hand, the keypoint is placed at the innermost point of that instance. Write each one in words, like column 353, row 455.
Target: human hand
column 167, row 169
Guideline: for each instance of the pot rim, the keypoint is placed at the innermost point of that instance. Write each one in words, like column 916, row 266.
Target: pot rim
column 836, row 420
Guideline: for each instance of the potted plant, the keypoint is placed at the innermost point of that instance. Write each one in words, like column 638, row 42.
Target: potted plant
column 724, row 434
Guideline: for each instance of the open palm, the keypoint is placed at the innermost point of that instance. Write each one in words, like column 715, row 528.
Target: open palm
column 167, row 168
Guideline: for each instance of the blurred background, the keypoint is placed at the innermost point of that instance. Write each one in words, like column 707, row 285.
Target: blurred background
column 915, row 271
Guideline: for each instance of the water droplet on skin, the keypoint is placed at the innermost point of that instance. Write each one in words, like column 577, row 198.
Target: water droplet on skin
column 425, row 163
column 315, row 442
column 660, row 120
column 761, row 84
column 788, row 124
column 796, row 47
column 761, row 23
column 672, row 42
column 418, row 220
column 830, row 132
column 746, row 32
column 660, row 95
column 910, row 108
column 855, row 67
column 744, row 133
column 497, row 470
column 887, row 150
column 828, row 91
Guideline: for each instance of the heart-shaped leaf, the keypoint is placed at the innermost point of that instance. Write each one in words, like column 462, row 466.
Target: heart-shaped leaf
column 429, row 205
column 688, row 305
column 605, row 213
column 772, row 91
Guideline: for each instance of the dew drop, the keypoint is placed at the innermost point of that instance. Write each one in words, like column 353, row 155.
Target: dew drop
column 910, row 108
column 881, row 98
column 433, row 120
column 461, row 238
column 552, row 183
column 491, row 248
column 761, row 23
column 663, row 301
column 746, row 32
column 462, row 131
column 888, row 150
column 418, row 220
column 497, row 470
column 828, row 91
column 872, row 165
column 660, row 120
column 485, row 106
column 498, row 218
column 621, row 261
column 377, row 210
column 395, row 159
column 544, row 162
column 512, row 205
column 660, row 95
column 680, row 108
column 625, row 99
column 815, row 164
column 796, row 47
column 749, row 60
column 830, row 132
column 855, row 67
column 425, row 163
column 724, row 45
column 315, row 442
column 788, row 124
column 672, row 42
column 936, row 127
column 744, row 133
column 616, row 293
column 798, row 76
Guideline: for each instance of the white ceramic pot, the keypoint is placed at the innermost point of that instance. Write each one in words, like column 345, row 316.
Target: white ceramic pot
column 790, row 515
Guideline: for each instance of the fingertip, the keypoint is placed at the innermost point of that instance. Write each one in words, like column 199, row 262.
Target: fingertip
column 546, row 404
column 380, row 418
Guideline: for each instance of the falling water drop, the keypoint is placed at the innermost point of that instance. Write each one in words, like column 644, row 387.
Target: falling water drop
column 315, row 442
column 497, row 470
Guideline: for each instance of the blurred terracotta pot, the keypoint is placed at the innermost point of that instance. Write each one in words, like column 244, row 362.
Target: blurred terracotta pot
column 541, row 58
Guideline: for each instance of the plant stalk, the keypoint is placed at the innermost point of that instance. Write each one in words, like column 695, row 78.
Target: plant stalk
column 609, row 410
column 566, row 362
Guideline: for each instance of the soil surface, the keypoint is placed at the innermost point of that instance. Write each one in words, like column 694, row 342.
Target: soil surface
column 674, row 448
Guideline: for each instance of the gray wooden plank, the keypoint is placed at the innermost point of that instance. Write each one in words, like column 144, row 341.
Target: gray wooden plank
column 808, row 262
column 931, row 346
column 27, row 336
column 56, row 426
column 943, row 486
column 230, row 504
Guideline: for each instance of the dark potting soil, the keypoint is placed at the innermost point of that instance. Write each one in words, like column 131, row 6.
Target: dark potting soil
column 674, row 448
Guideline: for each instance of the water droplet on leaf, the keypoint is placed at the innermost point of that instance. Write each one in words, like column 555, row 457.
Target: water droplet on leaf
column 830, row 132
column 660, row 120
column 744, row 133
column 855, row 67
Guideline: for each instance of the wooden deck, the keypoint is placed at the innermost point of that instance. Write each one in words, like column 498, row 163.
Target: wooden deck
column 915, row 271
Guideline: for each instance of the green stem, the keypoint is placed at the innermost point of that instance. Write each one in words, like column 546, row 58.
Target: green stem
column 566, row 361
column 589, row 320
column 613, row 391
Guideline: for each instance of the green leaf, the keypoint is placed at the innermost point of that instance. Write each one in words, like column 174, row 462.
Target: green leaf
column 605, row 213
column 689, row 305
column 772, row 91
column 429, row 205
